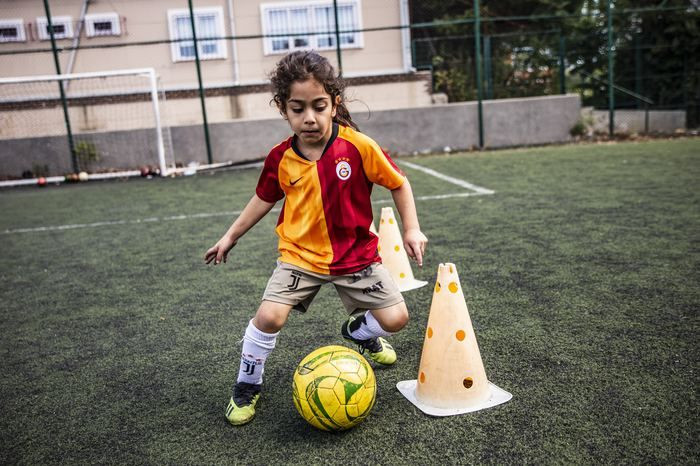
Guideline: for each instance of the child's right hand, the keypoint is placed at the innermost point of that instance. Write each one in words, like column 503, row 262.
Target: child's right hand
column 219, row 252
column 415, row 241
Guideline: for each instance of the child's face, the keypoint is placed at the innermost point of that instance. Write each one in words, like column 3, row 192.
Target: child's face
column 310, row 111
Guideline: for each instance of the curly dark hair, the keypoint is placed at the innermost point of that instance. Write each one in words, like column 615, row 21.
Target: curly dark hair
column 303, row 65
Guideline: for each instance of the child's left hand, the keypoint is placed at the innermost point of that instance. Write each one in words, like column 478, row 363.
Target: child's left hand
column 415, row 241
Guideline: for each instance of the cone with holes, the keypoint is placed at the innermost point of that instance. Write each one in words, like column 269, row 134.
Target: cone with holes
column 451, row 376
column 393, row 253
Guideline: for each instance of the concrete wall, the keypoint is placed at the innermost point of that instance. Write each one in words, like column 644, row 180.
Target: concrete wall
column 128, row 150
column 509, row 122
column 633, row 121
column 239, row 141
column 117, row 150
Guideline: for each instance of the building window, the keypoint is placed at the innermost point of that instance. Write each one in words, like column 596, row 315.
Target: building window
column 62, row 27
column 289, row 22
column 12, row 30
column 209, row 23
column 102, row 24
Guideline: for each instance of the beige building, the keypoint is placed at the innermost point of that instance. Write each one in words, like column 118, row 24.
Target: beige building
column 154, row 33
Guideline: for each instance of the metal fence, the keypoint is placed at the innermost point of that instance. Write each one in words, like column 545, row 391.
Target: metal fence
column 627, row 62
column 624, row 60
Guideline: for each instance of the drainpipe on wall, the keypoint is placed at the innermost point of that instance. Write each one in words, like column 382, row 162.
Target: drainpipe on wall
column 76, row 39
column 234, row 55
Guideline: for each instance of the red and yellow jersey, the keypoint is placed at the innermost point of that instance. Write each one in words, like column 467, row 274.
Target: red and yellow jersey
column 324, row 223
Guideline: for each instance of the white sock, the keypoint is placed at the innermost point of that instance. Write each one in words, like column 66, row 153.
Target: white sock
column 368, row 328
column 257, row 345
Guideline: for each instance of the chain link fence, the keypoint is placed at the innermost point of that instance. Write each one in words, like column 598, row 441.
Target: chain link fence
column 635, row 65
column 647, row 55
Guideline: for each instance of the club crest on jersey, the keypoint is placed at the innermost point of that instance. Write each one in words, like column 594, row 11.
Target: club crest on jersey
column 342, row 168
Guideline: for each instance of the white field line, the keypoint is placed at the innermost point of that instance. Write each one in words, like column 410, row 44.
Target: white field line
column 433, row 197
column 74, row 226
column 449, row 179
column 478, row 191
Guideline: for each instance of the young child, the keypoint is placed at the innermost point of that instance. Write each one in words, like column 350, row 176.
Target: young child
column 325, row 172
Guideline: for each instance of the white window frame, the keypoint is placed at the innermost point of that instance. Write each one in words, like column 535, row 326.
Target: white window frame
column 18, row 25
column 112, row 18
column 175, row 50
column 313, row 43
column 42, row 24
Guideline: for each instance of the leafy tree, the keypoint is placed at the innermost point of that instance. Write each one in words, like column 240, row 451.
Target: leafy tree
column 657, row 55
column 523, row 56
column 657, row 45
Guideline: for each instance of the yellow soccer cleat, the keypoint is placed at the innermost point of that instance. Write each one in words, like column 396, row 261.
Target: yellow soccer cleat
column 241, row 407
column 378, row 349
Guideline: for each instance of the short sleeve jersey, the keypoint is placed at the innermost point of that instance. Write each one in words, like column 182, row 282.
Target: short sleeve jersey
column 324, row 223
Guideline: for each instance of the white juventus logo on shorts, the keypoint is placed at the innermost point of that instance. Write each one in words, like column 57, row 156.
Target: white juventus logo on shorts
column 343, row 170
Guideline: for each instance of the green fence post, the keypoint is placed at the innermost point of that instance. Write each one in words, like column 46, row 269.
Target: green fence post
column 611, row 74
column 201, row 87
column 687, row 98
column 646, row 118
column 413, row 52
column 477, row 56
column 64, row 102
column 638, row 68
column 337, row 39
column 488, row 73
column 562, row 63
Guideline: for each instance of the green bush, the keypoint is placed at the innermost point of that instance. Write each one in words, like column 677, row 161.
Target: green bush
column 86, row 153
column 578, row 130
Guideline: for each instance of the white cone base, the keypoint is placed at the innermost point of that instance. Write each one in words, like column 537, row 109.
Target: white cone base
column 411, row 285
column 408, row 389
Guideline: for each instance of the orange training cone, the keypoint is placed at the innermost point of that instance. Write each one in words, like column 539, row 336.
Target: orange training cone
column 393, row 253
column 451, row 376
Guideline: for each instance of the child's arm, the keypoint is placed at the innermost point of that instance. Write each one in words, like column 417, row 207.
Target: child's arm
column 252, row 213
column 413, row 239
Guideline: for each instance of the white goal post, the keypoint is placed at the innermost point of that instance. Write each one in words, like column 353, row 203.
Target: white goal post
column 114, row 116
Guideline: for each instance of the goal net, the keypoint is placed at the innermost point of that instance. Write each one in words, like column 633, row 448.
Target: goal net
column 105, row 123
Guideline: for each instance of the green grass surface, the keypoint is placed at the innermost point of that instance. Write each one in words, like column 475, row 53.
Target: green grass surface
column 581, row 275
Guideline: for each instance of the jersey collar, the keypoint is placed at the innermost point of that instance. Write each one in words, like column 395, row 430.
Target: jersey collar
column 334, row 134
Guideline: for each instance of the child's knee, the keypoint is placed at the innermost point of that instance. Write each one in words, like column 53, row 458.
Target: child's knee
column 271, row 318
column 267, row 322
column 401, row 319
column 394, row 320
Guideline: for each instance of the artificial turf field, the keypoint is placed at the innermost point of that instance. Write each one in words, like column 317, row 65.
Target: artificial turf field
column 581, row 275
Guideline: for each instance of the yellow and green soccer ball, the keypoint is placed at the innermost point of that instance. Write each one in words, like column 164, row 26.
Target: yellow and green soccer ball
column 334, row 388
